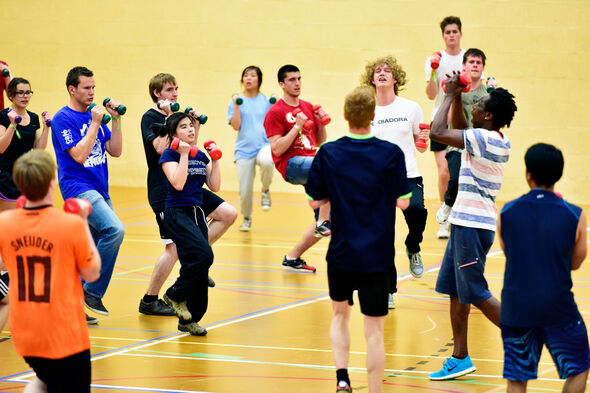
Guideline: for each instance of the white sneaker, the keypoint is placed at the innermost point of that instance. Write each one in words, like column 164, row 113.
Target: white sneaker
column 444, row 232
column 442, row 215
column 390, row 303
column 245, row 227
column 265, row 200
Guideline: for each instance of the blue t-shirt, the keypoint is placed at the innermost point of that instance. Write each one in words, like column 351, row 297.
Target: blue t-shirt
column 68, row 127
column 192, row 192
column 539, row 232
column 362, row 178
column 252, row 136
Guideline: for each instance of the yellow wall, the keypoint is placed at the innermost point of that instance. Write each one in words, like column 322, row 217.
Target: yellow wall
column 539, row 50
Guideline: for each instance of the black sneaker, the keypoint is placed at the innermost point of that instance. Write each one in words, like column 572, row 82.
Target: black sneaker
column 211, row 282
column 157, row 307
column 94, row 303
column 297, row 265
column 193, row 328
column 91, row 320
column 323, row 230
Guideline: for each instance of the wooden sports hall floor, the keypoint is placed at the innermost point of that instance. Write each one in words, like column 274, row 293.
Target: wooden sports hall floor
column 268, row 328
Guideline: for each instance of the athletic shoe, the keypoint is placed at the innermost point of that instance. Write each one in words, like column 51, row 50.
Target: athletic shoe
column 245, row 227
column 94, row 303
column 91, row 320
column 323, row 230
column 297, row 265
column 211, row 283
column 444, row 231
column 179, row 308
column 265, row 200
column 416, row 265
column 442, row 215
column 390, row 302
column 343, row 387
column 453, row 368
column 157, row 307
column 193, row 328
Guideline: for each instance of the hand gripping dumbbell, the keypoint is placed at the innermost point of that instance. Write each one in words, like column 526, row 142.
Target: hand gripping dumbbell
column 308, row 125
column 17, row 119
column 239, row 100
column 212, row 149
column 121, row 109
column 464, row 80
column 193, row 151
column 174, row 106
column 489, row 88
column 74, row 205
column 5, row 73
column 421, row 143
column 202, row 119
column 435, row 63
column 48, row 121
column 105, row 118
column 324, row 117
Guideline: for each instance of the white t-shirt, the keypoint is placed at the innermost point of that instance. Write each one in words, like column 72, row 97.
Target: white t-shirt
column 398, row 122
column 448, row 64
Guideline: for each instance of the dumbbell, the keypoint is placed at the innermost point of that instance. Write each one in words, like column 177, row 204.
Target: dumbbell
column 48, row 121
column 324, row 117
column 174, row 106
column 202, row 119
column 74, row 205
column 239, row 101
column 464, row 80
column 212, row 149
column 489, row 89
column 193, row 151
column 17, row 119
column 272, row 100
column 105, row 118
column 121, row 109
column 308, row 125
column 5, row 73
column 435, row 63
column 421, row 143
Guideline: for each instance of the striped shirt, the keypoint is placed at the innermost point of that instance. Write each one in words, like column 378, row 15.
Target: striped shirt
column 480, row 178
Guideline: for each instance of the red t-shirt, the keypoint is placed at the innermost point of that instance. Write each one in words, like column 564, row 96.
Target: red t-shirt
column 2, row 87
column 279, row 120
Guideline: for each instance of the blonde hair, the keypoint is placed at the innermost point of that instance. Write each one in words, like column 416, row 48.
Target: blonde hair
column 32, row 173
column 396, row 69
column 359, row 107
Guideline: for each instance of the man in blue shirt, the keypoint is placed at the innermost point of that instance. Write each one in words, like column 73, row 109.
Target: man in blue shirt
column 544, row 239
column 81, row 144
column 363, row 178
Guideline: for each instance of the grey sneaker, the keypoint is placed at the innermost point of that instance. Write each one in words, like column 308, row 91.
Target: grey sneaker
column 193, row 328
column 390, row 302
column 442, row 215
column 245, row 227
column 265, row 200
column 179, row 308
column 416, row 265
column 444, row 231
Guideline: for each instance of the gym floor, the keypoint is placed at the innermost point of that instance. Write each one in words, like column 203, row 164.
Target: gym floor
column 268, row 328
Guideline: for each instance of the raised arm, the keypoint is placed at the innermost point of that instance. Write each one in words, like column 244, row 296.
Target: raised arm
column 438, row 130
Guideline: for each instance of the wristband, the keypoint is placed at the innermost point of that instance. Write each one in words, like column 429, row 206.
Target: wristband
column 15, row 130
column 116, row 121
column 297, row 128
column 433, row 76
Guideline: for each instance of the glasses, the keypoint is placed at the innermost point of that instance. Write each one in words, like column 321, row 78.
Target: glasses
column 24, row 93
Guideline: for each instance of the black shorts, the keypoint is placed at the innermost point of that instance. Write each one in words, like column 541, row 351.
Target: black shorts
column 210, row 202
column 437, row 146
column 3, row 285
column 164, row 234
column 373, row 289
column 67, row 375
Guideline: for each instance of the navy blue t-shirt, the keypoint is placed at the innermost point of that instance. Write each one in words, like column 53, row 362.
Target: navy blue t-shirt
column 192, row 192
column 539, row 232
column 362, row 177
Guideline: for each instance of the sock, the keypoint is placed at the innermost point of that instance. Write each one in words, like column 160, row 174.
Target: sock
column 342, row 375
column 459, row 357
column 150, row 298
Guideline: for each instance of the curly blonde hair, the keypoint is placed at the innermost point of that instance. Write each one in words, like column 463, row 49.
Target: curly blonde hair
column 398, row 73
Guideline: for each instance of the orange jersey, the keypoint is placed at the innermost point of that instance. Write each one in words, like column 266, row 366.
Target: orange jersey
column 43, row 250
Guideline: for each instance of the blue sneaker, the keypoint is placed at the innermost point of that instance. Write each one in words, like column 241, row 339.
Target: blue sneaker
column 453, row 368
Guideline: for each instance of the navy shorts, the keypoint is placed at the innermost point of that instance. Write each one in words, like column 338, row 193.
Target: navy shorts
column 462, row 270
column 67, row 375
column 3, row 285
column 437, row 146
column 568, row 346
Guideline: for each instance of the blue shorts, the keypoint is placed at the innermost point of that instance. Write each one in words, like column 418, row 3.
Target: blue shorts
column 298, row 169
column 568, row 346
column 462, row 270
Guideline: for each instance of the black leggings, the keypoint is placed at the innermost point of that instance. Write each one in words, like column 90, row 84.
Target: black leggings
column 454, row 164
column 415, row 215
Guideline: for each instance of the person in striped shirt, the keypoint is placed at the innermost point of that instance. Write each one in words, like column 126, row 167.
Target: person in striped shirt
column 473, row 216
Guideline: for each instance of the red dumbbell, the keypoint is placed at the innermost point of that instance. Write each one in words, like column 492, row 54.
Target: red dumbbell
column 212, row 149
column 464, row 80
column 192, row 153
column 324, row 117
column 421, row 143
column 21, row 201
column 74, row 205
column 435, row 63
column 308, row 125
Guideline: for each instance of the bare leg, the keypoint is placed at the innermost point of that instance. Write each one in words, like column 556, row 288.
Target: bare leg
column 35, row 386
column 3, row 312
column 375, row 352
column 576, row 384
column 162, row 269
column 443, row 173
column 221, row 219
column 340, row 334
column 304, row 244
column 459, row 324
column 516, row 386
column 324, row 213
column 491, row 309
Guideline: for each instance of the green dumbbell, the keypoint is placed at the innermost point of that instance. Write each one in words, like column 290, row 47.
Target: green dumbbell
column 105, row 118
column 202, row 119
column 5, row 73
column 489, row 89
column 121, row 109
column 174, row 106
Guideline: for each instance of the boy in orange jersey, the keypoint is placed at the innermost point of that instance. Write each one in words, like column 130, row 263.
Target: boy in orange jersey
column 45, row 252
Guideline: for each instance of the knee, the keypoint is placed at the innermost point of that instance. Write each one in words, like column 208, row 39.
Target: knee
column 229, row 214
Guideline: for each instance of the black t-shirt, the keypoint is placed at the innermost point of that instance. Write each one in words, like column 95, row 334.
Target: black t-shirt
column 15, row 149
column 156, row 180
column 362, row 178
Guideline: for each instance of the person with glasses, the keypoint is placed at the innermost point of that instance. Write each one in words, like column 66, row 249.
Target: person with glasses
column 20, row 131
